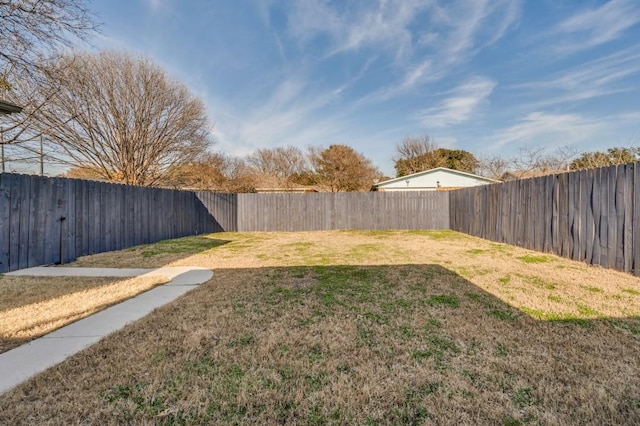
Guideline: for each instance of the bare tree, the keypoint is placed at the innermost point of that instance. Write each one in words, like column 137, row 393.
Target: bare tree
column 416, row 154
column 341, row 168
column 493, row 167
column 31, row 30
column 122, row 116
column 537, row 161
column 213, row 172
column 282, row 163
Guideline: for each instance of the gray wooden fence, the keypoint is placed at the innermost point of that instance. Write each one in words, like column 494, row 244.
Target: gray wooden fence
column 591, row 215
column 52, row 220
column 343, row 210
column 222, row 208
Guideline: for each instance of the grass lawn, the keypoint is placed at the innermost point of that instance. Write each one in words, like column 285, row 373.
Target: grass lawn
column 346, row 327
column 34, row 306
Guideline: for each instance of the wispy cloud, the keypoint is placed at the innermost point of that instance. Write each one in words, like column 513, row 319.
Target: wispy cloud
column 463, row 28
column 460, row 106
column 542, row 129
column 384, row 26
column 603, row 76
column 288, row 116
column 594, row 27
column 425, row 38
column 158, row 5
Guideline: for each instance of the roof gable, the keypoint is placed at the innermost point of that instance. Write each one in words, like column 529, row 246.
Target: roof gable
column 431, row 171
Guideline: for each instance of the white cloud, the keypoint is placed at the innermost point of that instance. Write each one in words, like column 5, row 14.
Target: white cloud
column 465, row 27
column 426, row 38
column 598, row 26
column 287, row 117
column 540, row 129
column 462, row 105
column 384, row 25
column 600, row 77
column 158, row 5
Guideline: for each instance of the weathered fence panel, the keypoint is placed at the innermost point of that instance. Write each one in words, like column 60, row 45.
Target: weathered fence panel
column 55, row 220
column 588, row 215
column 221, row 210
column 327, row 211
column 591, row 215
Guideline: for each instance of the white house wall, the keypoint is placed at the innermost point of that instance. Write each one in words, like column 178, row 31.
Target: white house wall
column 430, row 182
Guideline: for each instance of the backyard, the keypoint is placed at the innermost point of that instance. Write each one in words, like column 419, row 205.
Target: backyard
column 351, row 327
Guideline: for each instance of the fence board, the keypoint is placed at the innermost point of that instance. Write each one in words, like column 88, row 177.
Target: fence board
column 72, row 238
column 628, row 218
column 14, row 220
column 636, row 220
column 591, row 215
column 5, row 225
column 370, row 210
column 34, row 239
column 97, row 217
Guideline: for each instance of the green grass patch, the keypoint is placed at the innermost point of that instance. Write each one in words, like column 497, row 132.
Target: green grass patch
column 449, row 300
column 502, row 314
column 243, row 341
column 530, row 258
column 442, row 234
column 523, row 397
column 630, row 325
column 560, row 319
column 476, row 251
column 505, row 280
column 187, row 245
column 537, row 281
column 587, row 311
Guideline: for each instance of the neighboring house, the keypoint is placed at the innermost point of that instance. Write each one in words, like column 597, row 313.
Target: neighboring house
column 439, row 179
column 7, row 108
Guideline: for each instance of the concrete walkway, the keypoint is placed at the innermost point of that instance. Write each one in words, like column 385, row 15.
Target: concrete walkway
column 23, row 362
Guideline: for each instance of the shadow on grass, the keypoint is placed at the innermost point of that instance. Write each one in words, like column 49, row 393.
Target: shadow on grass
column 392, row 344
column 21, row 291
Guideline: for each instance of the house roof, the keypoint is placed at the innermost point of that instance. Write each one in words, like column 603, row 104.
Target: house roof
column 430, row 171
column 7, row 108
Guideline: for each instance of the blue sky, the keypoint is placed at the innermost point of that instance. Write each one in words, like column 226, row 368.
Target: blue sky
column 487, row 76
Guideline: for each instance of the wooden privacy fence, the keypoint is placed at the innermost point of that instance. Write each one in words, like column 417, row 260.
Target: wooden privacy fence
column 51, row 220
column 591, row 215
column 343, row 210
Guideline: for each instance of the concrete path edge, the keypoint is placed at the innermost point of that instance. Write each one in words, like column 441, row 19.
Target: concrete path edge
column 23, row 362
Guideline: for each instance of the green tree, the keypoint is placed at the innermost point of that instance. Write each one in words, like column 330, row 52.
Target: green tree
column 455, row 159
column 613, row 156
column 341, row 168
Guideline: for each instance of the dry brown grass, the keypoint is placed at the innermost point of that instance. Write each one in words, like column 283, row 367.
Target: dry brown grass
column 357, row 328
column 33, row 306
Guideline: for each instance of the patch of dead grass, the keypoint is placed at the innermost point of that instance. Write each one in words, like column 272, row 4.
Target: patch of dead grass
column 33, row 306
column 399, row 328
